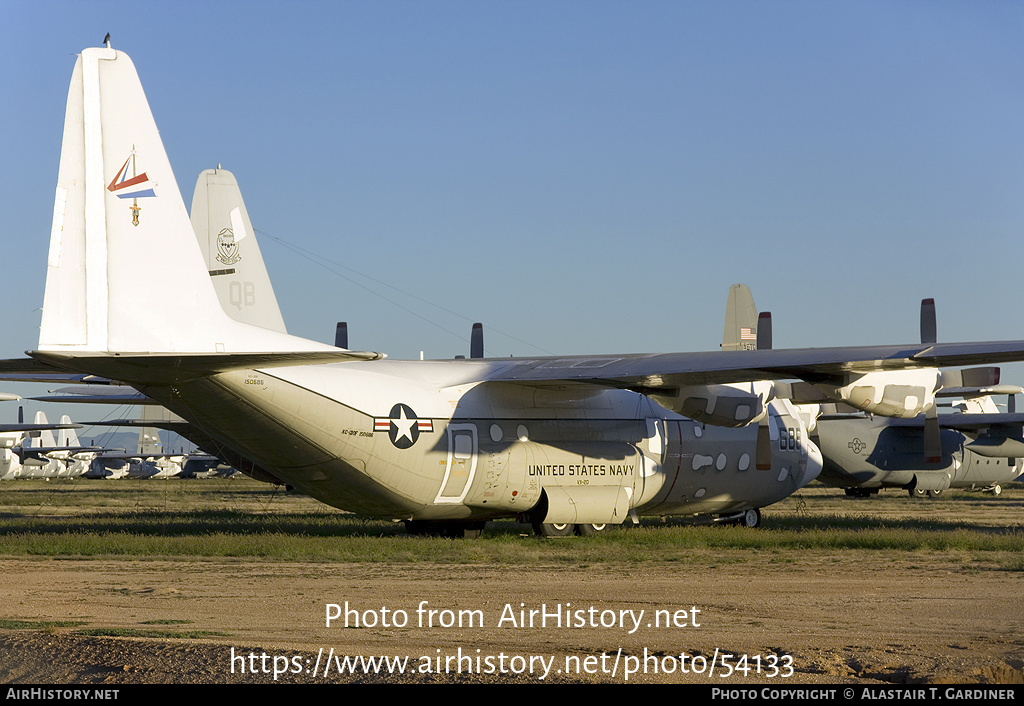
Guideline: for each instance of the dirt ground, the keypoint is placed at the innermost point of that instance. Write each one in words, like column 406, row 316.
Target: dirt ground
column 818, row 618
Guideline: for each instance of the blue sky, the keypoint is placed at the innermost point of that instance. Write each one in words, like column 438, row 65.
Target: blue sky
column 579, row 176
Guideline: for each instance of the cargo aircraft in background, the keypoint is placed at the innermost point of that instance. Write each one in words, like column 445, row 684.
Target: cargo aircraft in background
column 976, row 448
column 20, row 441
column 444, row 445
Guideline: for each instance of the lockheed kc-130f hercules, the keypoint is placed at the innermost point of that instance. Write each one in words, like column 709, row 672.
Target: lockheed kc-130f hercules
column 585, row 440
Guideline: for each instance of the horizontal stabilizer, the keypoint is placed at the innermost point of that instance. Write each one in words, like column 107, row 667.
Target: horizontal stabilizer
column 31, row 370
column 166, row 368
column 36, row 427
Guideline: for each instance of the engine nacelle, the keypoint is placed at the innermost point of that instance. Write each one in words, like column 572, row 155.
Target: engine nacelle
column 731, row 405
column 889, row 393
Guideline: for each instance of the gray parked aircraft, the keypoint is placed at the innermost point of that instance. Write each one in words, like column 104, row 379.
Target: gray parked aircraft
column 977, row 448
column 567, row 440
column 864, row 454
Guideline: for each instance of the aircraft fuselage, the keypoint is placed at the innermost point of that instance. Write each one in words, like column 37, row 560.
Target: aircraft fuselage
column 868, row 452
column 424, row 440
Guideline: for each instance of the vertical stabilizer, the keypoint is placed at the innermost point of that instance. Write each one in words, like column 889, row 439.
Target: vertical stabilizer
column 124, row 271
column 149, row 442
column 67, row 437
column 232, row 254
column 740, row 320
column 149, row 437
column 45, row 439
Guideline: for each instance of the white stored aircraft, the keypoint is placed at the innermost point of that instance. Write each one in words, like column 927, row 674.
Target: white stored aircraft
column 583, row 440
column 42, row 456
column 14, row 437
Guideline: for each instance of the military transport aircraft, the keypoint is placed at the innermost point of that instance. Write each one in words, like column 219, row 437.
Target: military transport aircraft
column 562, row 440
column 977, row 448
column 42, row 456
column 863, row 454
column 14, row 437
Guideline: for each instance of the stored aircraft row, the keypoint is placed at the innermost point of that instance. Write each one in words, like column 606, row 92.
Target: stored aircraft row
column 444, row 445
column 31, row 451
column 977, row 447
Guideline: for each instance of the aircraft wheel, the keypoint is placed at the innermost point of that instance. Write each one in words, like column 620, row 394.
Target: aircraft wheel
column 751, row 518
column 934, row 493
column 918, row 493
column 997, row 489
column 544, row 529
column 590, row 530
column 858, row 492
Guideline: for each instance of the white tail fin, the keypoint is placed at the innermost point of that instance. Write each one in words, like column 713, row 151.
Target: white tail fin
column 124, row 271
column 45, row 439
column 232, row 254
column 67, row 437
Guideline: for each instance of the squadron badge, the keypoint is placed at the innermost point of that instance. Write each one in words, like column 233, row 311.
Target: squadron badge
column 227, row 248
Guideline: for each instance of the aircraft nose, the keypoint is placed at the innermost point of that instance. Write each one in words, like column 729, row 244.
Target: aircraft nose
column 814, row 463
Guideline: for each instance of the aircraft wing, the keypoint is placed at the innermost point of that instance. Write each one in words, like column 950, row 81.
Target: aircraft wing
column 169, row 424
column 672, row 379
column 640, row 372
column 968, row 421
column 109, row 394
column 671, row 370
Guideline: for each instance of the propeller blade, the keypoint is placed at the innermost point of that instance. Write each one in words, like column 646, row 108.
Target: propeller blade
column 764, row 331
column 476, row 342
column 763, row 450
column 932, row 437
column 341, row 335
column 1018, row 432
column 928, row 321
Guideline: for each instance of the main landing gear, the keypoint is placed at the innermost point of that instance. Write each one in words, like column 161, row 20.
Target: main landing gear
column 748, row 518
column 543, row 529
